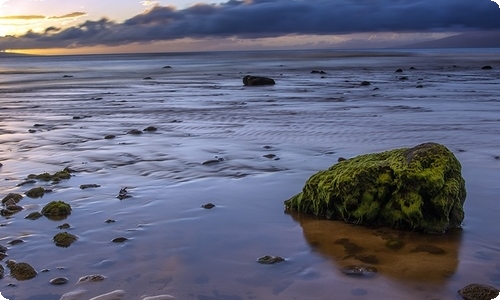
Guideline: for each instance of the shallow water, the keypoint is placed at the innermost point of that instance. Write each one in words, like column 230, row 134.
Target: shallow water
column 202, row 112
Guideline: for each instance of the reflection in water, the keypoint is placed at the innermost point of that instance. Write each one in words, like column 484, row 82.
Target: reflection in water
column 407, row 256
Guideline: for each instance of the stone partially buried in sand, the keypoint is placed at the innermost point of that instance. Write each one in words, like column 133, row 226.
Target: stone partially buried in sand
column 419, row 188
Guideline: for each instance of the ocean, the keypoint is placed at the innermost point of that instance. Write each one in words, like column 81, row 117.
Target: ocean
column 55, row 112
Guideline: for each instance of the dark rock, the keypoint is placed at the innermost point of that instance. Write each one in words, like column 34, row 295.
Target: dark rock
column 208, row 206
column 55, row 178
column 487, row 68
column 317, row 72
column 2, row 256
column 270, row 156
column 64, row 239
column 367, row 259
column 134, row 132
column 15, row 242
column 419, row 86
column 33, row 216
column 21, row 271
column 399, row 71
column 91, row 278
column 109, row 136
column 3, row 248
column 36, row 192
column 67, row 76
column 402, row 78
column 56, row 210
column 59, row 281
column 119, row 240
column 6, row 212
column 167, row 67
column 478, row 291
column 257, row 80
column 365, row 271
column 365, row 83
column 30, row 181
column 14, row 208
column 419, row 188
column 147, row 78
column 64, row 226
column 150, row 129
column 89, row 186
column 213, row 161
column 413, row 68
column 341, row 159
column 108, row 221
column 2, row 271
column 270, row 259
column 12, row 197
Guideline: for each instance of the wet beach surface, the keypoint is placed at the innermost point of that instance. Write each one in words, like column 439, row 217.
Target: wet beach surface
column 262, row 143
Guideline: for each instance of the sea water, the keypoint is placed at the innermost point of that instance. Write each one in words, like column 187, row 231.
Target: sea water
column 56, row 110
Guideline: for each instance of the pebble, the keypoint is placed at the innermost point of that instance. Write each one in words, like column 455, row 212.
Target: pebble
column 91, row 278
column 59, row 281
column 270, row 259
column 208, row 206
column 358, row 271
column 119, row 240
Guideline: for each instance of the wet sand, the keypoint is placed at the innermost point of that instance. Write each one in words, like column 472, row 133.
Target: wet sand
column 203, row 112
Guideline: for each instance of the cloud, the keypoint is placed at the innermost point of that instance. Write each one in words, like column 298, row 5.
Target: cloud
column 249, row 19
column 69, row 16
column 23, row 17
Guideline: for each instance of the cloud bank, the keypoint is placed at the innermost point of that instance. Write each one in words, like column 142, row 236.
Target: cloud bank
column 269, row 18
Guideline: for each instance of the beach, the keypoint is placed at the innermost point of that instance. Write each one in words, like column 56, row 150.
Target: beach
column 246, row 149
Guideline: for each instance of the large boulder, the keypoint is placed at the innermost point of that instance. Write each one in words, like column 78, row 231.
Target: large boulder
column 419, row 188
column 258, row 80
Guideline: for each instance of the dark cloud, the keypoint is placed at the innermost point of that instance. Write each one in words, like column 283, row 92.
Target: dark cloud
column 272, row 18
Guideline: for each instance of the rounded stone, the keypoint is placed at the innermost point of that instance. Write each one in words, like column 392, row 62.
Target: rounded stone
column 64, row 239
column 59, row 281
column 21, row 271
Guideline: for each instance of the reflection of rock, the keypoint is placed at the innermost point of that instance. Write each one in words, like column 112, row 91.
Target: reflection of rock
column 419, row 188
column 479, row 292
column 397, row 254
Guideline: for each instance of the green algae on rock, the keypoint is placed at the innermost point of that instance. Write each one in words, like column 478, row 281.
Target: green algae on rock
column 12, row 198
column 55, row 178
column 36, row 192
column 419, row 188
column 56, row 209
column 64, row 239
column 21, row 271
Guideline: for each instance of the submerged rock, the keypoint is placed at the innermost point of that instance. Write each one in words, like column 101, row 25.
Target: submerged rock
column 36, row 192
column 55, row 178
column 208, row 206
column 477, row 291
column 359, row 270
column 258, row 80
column 270, row 259
column 59, row 281
column 21, row 271
column 91, row 278
column 419, row 188
column 64, row 239
column 34, row 216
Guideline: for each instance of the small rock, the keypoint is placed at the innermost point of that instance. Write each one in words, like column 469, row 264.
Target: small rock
column 341, row 159
column 67, row 76
column 2, row 271
column 150, row 129
column 15, row 242
column 399, row 71
column 109, row 221
column 56, row 210
column 31, row 181
column 402, row 78
column 478, row 291
column 91, row 278
column 257, row 80
column 318, row 72
column 147, row 78
column 64, row 226
column 419, row 86
column 119, row 240
column 3, row 248
column 359, row 271
column 34, row 216
column 21, row 271
column 487, row 68
column 213, row 161
column 64, row 239
column 12, row 197
column 14, row 208
column 270, row 259
column 59, row 281
column 89, row 186
column 167, row 67
column 365, row 83
column 134, row 132
column 36, row 192
column 109, row 136
column 2, row 256
column 208, row 206
column 270, row 156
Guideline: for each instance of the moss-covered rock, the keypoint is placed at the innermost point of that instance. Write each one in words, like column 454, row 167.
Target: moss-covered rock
column 33, row 216
column 36, row 192
column 64, row 239
column 419, row 188
column 12, row 198
column 56, row 210
column 21, row 271
column 56, row 177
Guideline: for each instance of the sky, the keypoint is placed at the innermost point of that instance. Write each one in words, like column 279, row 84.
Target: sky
column 110, row 26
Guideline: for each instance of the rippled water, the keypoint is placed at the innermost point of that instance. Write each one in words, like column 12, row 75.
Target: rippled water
column 56, row 111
